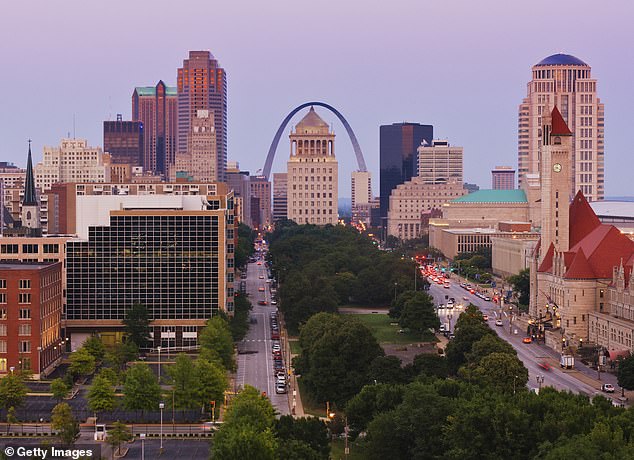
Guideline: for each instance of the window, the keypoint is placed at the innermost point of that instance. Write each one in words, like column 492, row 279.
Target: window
column 3, row 346
column 3, row 298
column 24, row 329
column 25, row 313
column 25, row 284
column 3, row 284
column 25, row 346
column 25, row 363
column 24, row 298
column 30, row 248
column 3, row 330
column 51, row 248
column 8, row 248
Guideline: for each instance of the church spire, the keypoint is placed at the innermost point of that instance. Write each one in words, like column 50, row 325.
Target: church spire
column 30, row 197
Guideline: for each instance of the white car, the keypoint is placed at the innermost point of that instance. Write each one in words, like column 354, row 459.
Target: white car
column 498, row 322
column 607, row 388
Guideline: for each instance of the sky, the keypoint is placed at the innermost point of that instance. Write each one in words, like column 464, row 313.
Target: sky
column 460, row 65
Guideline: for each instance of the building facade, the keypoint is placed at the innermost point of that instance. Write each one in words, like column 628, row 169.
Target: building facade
column 73, row 161
column 280, row 196
column 566, row 82
column 398, row 156
column 30, row 317
column 409, row 200
column 503, row 178
column 199, row 161
column 155, row 107
column 123, row 140
column 260, row 190
column 312, row 172
column 239, row 182
column 173, row 254
column 440, row 163
column 202, row 85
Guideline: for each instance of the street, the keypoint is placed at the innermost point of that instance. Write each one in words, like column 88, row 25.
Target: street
column 579, row 380
column 255, row 358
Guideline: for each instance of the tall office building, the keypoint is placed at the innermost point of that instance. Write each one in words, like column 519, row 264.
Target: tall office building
column 280, row 196
column 503, row 178
column 566, row 82
column 260, row 188
column 202, row 85
column 73, row 161
column 362, row 200
column 398, row 156
column 123, row 140
column 199, row 161
column 440, row 163
column 312, row 173
column 155, row 107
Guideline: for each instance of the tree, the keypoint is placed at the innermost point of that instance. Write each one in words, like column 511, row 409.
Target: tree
column 216, row 342
column 122, row 353
column 305, row 437
column 137, row 325
column 485, row 346
column 81, row 363
column 502, row 372
column 184, row 382
column 117, row 434
column 95, row 347
column 101, row 395
column 11, row 418
column 431, row 365
column 211, row 382
column 239, row 322
column 63, row 421
column 387, row 369
column 418, row 313
column 626, row 373
column 60, row 389
column 370, row 401
column 141, row 390
column 522, row 285
column 251, row 408
column 12, row 390
column 336, row 356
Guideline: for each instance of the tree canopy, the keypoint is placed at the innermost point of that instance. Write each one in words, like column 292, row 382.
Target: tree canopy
column 137, row 325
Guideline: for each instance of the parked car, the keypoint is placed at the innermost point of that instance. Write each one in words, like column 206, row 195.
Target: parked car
column 280, row 388
column 607, row 388
column 527, row 340
column 498, row 322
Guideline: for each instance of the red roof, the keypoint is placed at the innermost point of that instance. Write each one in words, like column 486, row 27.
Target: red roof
column 560, row 128
column 580, row 267
column 547, row 263
column 582, row 219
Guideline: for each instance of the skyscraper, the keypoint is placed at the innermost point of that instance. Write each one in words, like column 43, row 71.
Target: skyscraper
column 312, row 173
column 564, row 81
column 440, row 163
column 503, row 178
column 202, row 85
column 155, row 107
column 200, row 159
column 280, row 196
column 123, row 140
column 398, row 156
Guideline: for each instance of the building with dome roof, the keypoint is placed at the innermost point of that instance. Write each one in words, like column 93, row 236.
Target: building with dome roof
column 312, row 173
column 564, row 81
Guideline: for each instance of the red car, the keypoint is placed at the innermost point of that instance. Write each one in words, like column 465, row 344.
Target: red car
column 527, row 340
column 262, row 302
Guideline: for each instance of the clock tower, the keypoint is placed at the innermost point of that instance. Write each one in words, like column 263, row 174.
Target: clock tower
column 556, row 182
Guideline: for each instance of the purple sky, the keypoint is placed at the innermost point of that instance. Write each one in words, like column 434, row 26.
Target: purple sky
column 459, row 65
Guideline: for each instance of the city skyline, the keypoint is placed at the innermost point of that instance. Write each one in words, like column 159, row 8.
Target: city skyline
column 461, row 92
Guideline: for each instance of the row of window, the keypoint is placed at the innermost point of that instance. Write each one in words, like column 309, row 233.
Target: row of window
column 24, row 313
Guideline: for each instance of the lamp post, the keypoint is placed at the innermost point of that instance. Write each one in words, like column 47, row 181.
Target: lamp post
column 142, row 436
column 159, row 366
column 39, row 361
column 514, row 379
column 161, row 407
column 12, row 369
column 540, row 380
column 395, row 285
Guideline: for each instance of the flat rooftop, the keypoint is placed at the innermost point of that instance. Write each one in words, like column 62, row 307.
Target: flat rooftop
column 25, row 265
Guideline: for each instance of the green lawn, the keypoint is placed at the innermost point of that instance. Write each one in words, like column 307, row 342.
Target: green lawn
column 385, row 329
column 310, row 406
column 295, row 348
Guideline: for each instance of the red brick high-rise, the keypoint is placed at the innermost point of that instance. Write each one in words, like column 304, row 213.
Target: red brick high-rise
column 202, row 85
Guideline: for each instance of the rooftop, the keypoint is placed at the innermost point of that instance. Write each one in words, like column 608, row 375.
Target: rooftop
column 151, row 90
column 613, row 208
column 25, row 265
column 561, row 59
column 493, row 196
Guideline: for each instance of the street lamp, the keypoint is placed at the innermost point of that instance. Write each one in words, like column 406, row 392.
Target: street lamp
column 514, row 379
column 142, row 436
column 161, row 406
column 540, row 380
column 12, row 369
column 159, row 366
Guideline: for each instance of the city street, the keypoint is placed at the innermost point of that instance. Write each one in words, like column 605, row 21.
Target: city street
column 579, row 380
column 255, row 358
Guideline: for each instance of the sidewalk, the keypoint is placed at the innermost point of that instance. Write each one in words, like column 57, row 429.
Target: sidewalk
column 294, row 397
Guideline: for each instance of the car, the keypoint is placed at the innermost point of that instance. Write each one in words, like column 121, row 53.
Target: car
column 275, row 335
column 451, row 336
column 442, row 328
column 259, row 263
column 273, row 302
column 280, row 388
column 607, row 388
column 262, row 302
column 471, row 291
column 465, row 298
column 280, row 379
column 277, row 347
column 279, row 374
column 487, row 298
column 261, row 289
column 527, row 340
column 485, row 317
column 261, row 277
column 498, row 322
column 447, row 286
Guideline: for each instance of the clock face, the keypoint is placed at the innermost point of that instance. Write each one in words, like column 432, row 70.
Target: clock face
column 557, row 167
